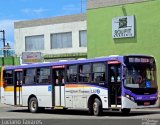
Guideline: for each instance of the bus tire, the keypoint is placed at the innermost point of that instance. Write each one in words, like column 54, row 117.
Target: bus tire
column 90, row 111
column 97, row 107
column 33, row 105
column 125, row 111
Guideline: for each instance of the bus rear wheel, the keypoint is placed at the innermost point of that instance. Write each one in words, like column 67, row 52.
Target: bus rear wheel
column 96, row 107
column 33, row 105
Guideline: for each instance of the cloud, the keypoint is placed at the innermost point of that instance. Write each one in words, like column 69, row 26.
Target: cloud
column 79, row 7
column 71, row 7
column 8, row 26
column 34, row 11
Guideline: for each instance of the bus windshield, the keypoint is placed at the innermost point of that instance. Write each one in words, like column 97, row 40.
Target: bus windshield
column 140, row 76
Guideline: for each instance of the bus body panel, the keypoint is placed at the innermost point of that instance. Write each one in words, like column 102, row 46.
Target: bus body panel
column 59, row 94
column 44, row 95
column 101, row 92
column 2, row 95
column 77, row 95
column 74, row 96
column 127, row 103
column 27, row 92
column 9, row 95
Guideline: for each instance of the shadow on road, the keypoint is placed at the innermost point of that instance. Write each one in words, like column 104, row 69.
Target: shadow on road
column 85, row 113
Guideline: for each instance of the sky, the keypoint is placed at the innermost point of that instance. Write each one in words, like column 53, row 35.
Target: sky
column 19, row 10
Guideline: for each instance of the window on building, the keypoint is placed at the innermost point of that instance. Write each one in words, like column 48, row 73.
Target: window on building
column 30, row 76
column 34, row 43
column 72, row 73
column 61, row 40
column 83, row 38
column 44, row 75
column 99, row 72
column 84, row 73
column 8, row 77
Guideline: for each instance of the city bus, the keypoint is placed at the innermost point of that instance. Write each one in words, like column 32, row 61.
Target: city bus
column 113, row 82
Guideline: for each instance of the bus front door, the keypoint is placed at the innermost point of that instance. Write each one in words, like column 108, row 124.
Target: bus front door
column 58, row 85
column 18, row 78
column 114, row 84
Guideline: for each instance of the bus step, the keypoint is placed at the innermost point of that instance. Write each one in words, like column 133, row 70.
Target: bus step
column 115, row 106
column 58, row 107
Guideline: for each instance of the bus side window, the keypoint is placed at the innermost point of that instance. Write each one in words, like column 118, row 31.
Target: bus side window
column 72, row 73
column 8, row 77
column 99, row 72
column 115, row 73
column 43, row 75
column 119, row 74
column 112, row 74
column 84, row 73
column 30, row 76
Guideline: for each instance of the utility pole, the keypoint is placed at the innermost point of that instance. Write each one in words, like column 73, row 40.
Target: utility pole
column 3, row 40
column 81, row 6
column 82, row 3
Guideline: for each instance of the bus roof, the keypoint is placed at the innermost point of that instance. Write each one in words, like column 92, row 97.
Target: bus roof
column 70, row 62
column 99, row 59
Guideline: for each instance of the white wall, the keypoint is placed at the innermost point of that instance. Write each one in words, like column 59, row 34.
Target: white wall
column 47, row 30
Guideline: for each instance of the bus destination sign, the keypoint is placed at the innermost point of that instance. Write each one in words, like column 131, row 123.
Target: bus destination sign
column 139, row 60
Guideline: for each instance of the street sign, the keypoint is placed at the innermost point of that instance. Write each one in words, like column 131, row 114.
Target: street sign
column 31, row 57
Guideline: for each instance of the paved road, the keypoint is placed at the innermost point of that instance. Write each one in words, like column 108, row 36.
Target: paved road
column 76, row 117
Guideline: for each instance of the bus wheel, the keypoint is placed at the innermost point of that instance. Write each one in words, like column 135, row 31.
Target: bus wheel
column 97, row 107
column 125, row 111
column 33, row 105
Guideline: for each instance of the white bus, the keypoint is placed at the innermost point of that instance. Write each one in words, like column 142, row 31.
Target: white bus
column 113, row 82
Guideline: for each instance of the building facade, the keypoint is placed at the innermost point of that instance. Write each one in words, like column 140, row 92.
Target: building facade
column 104, row 30
column 104, row 15
column 56, row 38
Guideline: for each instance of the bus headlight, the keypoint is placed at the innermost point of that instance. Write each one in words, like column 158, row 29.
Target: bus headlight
column 129, row 97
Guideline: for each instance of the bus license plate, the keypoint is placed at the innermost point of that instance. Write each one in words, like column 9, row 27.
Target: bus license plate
column 146, row 103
